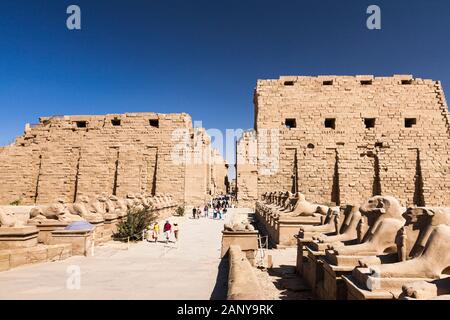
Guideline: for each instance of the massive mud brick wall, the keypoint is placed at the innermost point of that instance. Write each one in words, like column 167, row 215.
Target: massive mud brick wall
column 343, row 139
column 66, row 156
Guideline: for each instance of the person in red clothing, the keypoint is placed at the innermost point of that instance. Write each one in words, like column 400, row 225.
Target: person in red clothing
column 167, row 230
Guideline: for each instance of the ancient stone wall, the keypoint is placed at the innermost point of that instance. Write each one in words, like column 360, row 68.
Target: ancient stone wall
column 66, row 156
column 343, row 139
column 246, row 169
column 219, row 173
column 198, row 169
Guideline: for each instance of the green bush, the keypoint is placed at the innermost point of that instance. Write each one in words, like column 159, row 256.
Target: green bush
column 180, row 211
column 137, row 221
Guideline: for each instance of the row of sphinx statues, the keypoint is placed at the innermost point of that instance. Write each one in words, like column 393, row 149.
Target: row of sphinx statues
column 92, row 209
column 290, row 204
column 379, row 247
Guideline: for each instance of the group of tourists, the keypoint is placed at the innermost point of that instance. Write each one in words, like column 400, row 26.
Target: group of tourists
column 216, row 209
column 154, row 230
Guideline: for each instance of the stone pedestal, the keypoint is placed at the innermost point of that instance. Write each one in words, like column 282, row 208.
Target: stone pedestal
column 99, row 229
column 13, row 258
column 20, row 237
column 246, row 240
column 287, row 228
column 313, row 273
column 46, row 227
column 355, row 292
column 363, row 285
column 333, row 286
column 302, row 254
column 81, row 240
column 336, row 266
column 4, row 261
column 110, row 226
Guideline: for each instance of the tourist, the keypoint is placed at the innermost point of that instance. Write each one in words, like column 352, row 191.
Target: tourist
column 167, row 230
column 148, row 233
column 205, row 211
column 194, row 212
column 175, row 231
column 199, row 213
column 155, row 231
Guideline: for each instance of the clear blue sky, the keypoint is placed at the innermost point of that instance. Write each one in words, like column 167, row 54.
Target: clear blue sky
column 200, row 56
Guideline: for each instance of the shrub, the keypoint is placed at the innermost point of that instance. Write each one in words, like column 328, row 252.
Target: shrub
column 180, row 211
column 16, row 202
column 137, row 221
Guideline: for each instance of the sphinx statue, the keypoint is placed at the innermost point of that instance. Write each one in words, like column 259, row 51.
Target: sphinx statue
column 9, row 220
column 384, row 216
column 131, row 201
column 122, row 206
column 270, row 198
column 58, row 211
column 115, row 206
column 412, row 237
column 427, row 290
column 141, row 201
column 168, row 200
column 331, row 224
column 239, row 227
column 279, row 199
column 284, row 203
column 263, row 197
column 98, row 205
column 348, row 230
column 420, row 253
column 306, row 208
column 274, row 198
column 431, row 264
column 82, row 208
column 267, row 198
column 292, row 201
column 172, row 201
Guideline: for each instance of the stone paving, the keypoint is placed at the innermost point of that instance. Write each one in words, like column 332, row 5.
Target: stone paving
column 188, row 269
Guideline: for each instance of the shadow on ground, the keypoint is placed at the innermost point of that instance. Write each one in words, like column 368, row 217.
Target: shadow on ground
column 221, row 288
column 292, row 286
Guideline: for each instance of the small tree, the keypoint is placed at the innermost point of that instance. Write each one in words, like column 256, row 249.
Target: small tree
column 136, row 222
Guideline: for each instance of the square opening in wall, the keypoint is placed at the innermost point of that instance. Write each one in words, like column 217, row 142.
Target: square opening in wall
column 290, row 123
column 289, row 83
column 366, row 82
column 369, row 123
column 410, row 122
column 328, row 83
column 81, row 124
column 330, row 123
column 116, row 122
column 154, row 123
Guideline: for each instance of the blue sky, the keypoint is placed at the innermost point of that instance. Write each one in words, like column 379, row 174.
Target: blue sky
column 202, row 57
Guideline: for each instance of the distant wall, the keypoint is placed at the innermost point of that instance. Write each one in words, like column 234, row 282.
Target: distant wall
column 66, row 156
column 247, row 170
